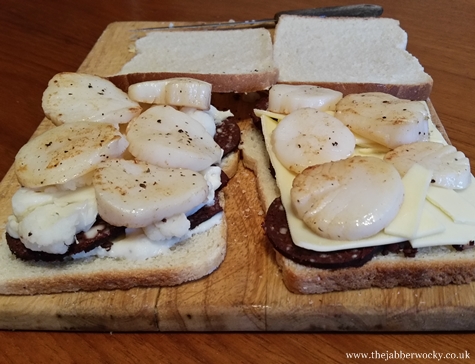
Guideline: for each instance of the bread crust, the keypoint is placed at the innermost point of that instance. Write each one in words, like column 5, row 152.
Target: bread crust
column 255, row 158
column 383, row 272
column 230, row 163
column 225, row 83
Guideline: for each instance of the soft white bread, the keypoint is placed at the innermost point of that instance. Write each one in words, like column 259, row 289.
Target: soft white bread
column 232, row 61
column 351, row 55
column 189, row 260
column 431, row 266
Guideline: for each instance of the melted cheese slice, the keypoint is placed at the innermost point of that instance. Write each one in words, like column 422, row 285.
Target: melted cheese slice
column 435, row 226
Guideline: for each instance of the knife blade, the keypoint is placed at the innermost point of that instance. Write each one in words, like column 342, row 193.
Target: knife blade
column 361, row 10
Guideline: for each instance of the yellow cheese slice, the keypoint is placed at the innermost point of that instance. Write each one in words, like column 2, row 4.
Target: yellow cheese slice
column 454, row 234
column 259, row 113
column 416, row 182
column 453, row 204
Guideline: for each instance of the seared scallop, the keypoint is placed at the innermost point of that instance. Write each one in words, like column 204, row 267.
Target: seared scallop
column 350, row 199
column 179, row 91
column 137, row 194
column 450, row 167
column 72, row 97
column 384, row 118
column 287, row 98
column 67, row 152
column 307, row 137
column 166, row 137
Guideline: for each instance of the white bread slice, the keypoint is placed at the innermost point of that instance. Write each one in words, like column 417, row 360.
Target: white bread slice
column 431, row 266
column 237, row 60
column 189, row 260
column 351, row 55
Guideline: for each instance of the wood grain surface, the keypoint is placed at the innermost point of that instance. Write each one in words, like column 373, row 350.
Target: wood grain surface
column 40, row 41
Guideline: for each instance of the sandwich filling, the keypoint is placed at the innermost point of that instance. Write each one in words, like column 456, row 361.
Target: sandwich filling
column 335, row 207
column 94, row 188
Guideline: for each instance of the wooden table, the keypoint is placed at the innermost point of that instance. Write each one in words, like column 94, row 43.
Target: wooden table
column 40, row 39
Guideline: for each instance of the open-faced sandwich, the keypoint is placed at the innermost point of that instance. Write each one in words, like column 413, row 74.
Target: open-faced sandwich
column 359, row 182
column 117, row 193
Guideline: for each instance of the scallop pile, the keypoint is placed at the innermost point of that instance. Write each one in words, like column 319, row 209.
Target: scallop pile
column 138, row 166
column 348, row 158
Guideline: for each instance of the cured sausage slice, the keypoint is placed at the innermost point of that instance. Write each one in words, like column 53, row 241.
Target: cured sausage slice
column 277, row 230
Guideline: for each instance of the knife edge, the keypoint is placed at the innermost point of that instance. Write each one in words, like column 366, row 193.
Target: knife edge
column 360, row 10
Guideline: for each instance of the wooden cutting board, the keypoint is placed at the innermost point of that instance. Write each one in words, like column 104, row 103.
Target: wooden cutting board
column 246, row 293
